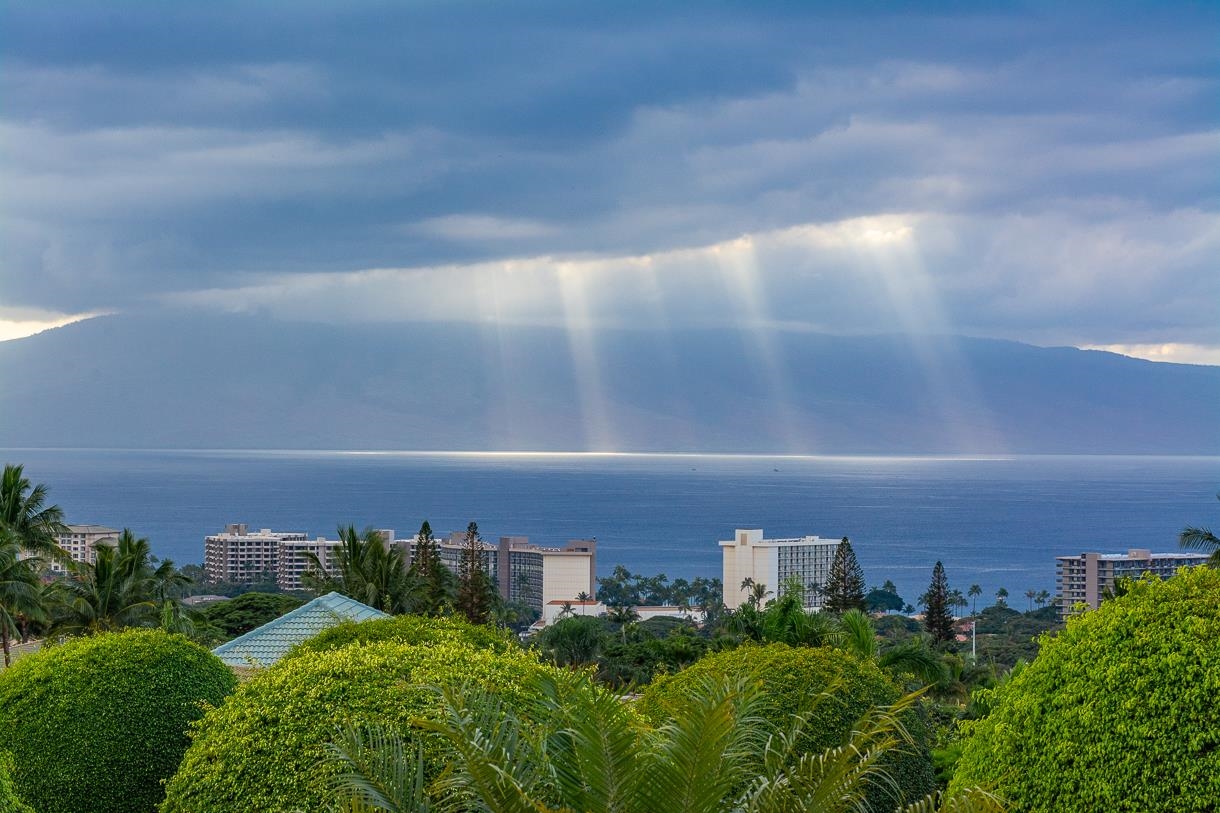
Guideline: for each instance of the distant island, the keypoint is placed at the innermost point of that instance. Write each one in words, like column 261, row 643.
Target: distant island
column 193, row 381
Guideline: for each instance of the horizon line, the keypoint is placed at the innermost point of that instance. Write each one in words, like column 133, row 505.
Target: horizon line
column 929, row 456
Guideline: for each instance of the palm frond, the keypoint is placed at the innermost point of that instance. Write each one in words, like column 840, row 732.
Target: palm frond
column 708, row 748
column 592, row 743
column 836, row 779
column 376, row 773
column 859, row 634
column 969, row 800
column 915, row 658
column 497, row 763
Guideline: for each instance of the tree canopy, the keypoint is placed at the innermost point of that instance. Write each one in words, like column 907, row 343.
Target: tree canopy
column 100, row 723
column 1117, row 712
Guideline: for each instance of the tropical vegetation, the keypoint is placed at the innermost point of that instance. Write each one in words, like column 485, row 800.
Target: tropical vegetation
column 574, row 747
column 10, row 802
column 787, row 678
column 99, row 723
column 28, row 531
column 1117, row 712
column 1199, row 538
column 262, row 750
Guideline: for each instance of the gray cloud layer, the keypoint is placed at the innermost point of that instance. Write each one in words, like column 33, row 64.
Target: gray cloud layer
column 1055, row 167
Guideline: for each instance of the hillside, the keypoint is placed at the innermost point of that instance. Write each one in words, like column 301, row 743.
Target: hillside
column 245, row 382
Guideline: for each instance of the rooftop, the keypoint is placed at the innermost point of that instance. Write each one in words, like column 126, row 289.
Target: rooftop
column 269, row 643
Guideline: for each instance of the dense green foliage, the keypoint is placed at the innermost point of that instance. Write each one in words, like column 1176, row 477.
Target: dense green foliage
column 1005, row 636
column 9, row 801
column 408, row 629
column 576, row 748
column 99, row 723
column 239, row 615
column 626, row 653
column 261, row 750
column 883, row 600
column 791, row 678
column 1117, row 712
column 622, row 588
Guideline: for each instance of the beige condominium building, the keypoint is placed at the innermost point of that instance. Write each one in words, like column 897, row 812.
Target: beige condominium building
column 774, row 563
column 528, row 573
column 242, row 556
column 80, row 542
column 1084, row 578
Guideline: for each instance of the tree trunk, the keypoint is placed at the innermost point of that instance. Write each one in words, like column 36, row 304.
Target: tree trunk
column 4, row 641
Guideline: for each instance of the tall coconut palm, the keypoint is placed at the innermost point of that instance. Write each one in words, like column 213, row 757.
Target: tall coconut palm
column 24, row 512
column 124, row 587
column 974, row 592
column 1201, row 539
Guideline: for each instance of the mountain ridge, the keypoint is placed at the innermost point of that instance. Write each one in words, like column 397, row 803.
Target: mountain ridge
column 225, row 381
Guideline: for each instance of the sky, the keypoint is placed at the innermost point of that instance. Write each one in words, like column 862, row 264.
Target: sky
column 1043, row 172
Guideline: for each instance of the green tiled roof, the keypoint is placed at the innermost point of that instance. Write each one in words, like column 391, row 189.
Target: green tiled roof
column 270, row 642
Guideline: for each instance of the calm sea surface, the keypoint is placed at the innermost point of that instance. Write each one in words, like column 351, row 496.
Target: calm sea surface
column 995, row 522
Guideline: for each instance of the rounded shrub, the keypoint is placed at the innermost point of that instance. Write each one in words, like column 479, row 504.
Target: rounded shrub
column 791, row 678
column 264, row 749
column 1117, row 712
column 9, row 803
column 100, row 723
column 408, row 629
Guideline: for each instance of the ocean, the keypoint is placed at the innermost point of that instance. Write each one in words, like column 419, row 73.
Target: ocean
column 996, row 522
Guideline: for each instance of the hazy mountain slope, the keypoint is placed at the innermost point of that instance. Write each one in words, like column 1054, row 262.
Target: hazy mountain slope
column 226, row 382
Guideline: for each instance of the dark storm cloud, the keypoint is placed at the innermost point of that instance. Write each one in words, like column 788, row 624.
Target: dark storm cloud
column 1057, row 156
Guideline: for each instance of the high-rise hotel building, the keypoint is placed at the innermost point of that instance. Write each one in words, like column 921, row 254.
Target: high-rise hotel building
column 529, row 573
column 1084, row 578
column 774, row 563
column 521, row 571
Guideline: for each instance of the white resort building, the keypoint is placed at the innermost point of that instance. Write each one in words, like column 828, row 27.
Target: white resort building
column 773, row 563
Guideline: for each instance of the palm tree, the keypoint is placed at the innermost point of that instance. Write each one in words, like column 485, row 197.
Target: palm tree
column 1030, row 595
column 1042, row 598
column 974, row 592
column 787, row 621
column 1001, row 597
column 20, row 596
column 859, row 637
column 758, row 594
column 367, row 569
column 24, row 512
column 1201, row 539
column 576, row 747
column 125, row 587
column 583, row 596
column 957, row 599
column 624, row 617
